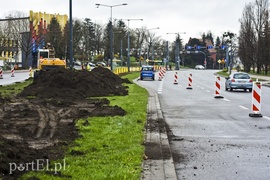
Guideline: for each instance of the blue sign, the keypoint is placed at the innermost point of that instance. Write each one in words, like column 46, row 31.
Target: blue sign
column 198, row 47
column 209, row 47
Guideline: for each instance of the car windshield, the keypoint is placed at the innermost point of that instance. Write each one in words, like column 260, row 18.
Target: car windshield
column 241, row 76
column 147, row 69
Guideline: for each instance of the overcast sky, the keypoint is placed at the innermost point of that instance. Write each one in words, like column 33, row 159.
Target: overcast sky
column 172, row 16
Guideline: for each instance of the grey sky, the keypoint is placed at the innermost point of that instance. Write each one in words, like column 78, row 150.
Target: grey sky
column 191, row 16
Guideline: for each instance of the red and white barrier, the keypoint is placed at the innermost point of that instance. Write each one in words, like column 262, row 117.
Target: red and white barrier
column 175, row 78
column 159, row 76
column 217, row 88
column 256, row 100
column 189, row 81
column 30, row 72
column 1, row 73
column 12, row 72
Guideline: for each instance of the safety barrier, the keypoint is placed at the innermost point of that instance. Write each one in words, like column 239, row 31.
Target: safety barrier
column 175, row 78
column 159, row 76
column 12, row 72
column 30, row 72
column 189, row 81
column 256, row 100
column 1, row 73
column 217, row 88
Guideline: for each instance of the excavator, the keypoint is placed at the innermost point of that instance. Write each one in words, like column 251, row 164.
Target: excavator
column 47, row 61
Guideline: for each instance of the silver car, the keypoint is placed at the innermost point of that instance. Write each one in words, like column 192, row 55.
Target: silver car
column 239, row 80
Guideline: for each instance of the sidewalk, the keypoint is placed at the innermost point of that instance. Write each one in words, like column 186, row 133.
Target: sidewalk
column 158, row 163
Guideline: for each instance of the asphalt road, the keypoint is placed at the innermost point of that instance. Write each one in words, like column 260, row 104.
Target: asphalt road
column 214, row 138
column 18, row 77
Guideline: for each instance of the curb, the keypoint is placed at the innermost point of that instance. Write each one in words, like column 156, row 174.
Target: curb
column 156, row 141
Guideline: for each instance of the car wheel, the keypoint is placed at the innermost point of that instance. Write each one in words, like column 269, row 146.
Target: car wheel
column 231, row 89
column 226, row 89
column 141, row 78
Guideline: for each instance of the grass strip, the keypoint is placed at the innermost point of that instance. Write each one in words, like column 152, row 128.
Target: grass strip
column 110, row 147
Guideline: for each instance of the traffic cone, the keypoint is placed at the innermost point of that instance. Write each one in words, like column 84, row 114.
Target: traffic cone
column 1, row 73
column 189, row 81
column 12, row 72
column 175, row 78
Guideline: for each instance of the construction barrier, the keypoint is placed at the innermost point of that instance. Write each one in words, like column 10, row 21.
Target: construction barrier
column 256, row 100
column 175, row 78
column 217, row 88
column 159, row 76
column 12, row 72
column 1, row 73
column 30, row 72
column 189, row 81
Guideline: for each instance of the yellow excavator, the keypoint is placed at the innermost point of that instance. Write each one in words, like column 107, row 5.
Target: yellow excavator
column 46, row 60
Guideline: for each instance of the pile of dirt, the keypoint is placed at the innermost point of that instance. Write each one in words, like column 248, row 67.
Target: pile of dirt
column 41, row 127
column 72, row 84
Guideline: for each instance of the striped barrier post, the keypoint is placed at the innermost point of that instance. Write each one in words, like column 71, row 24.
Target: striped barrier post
column 217, row 88
column 12, row 72
column 1, row 73
column 159, row 76
column 256, row 100
column 189, row 81
column 175, row 78
column 30, row 72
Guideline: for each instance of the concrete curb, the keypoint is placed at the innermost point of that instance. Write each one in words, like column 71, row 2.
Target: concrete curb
column 162, row 168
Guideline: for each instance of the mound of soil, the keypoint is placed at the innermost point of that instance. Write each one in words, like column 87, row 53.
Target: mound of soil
column 65, row 83
column 41, row 127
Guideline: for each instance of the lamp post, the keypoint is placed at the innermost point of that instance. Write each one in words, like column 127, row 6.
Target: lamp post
column 111, row 29
column 128, row 60
column 70, row 36
column 177, row 43
column 151, row 42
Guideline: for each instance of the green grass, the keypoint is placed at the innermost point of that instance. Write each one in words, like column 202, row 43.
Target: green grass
column 13, row 89
column 111, row 146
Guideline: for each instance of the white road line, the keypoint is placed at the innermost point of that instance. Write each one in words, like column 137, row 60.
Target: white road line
column 160, row 87
column 243, row 107
column 266, row 117
column 208, row 91
column 226, row 100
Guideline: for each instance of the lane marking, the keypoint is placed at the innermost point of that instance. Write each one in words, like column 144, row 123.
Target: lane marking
column 160, row 87
column 226, row 100
column 243, row 107
column 266, row 117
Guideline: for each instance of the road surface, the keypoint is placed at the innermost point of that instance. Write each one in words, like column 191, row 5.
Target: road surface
column 214, row 138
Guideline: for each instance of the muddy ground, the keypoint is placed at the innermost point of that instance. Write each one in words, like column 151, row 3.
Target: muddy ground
column 39, row 122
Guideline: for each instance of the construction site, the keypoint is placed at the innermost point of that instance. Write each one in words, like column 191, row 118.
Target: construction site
column 40, row 121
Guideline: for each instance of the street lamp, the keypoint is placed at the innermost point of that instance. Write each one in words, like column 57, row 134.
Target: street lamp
column 70, row 36
column 177, row 57
column 128, row 60
column 151, row 42
column 111, row 29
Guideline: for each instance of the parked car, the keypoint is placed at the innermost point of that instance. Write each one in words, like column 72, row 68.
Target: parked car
column 199, row 67
column 147, row 72
column 239, row 80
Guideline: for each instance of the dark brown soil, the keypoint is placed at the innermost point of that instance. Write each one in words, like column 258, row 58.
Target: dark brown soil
column 39, row 123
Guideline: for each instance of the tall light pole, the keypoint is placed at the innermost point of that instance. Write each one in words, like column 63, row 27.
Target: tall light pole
column 151, row 41
column 128, row 60
column 177, row 52
column 111, row 29
column 70, row 36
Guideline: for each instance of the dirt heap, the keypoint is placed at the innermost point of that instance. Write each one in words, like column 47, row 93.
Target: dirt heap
column 66, row 84
column 40, row 121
